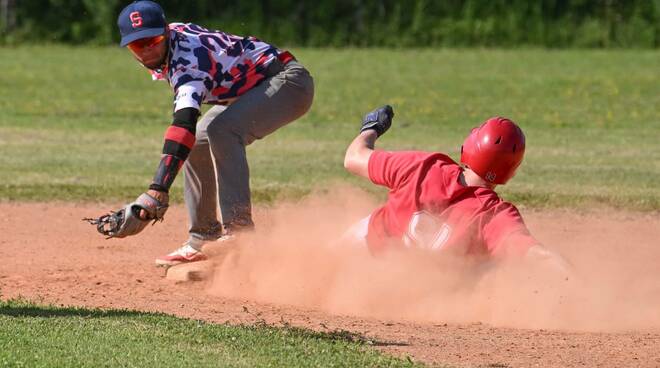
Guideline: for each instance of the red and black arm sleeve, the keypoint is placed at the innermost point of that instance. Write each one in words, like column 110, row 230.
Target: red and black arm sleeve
column 179, row 140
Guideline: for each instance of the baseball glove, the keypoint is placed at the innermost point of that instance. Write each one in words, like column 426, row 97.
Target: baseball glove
column 127, row 221
column 379, row 120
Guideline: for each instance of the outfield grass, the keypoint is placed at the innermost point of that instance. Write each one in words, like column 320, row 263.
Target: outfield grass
column 39, row 336
column 86, row 124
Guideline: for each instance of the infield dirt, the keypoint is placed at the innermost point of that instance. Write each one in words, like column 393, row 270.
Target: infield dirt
column 294, row 272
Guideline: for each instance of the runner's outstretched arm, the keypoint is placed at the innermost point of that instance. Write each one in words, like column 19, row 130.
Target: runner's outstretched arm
column 374, row 124
column 358, row 153
column 542, row 258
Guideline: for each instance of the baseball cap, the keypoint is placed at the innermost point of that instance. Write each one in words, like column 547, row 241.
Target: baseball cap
column 140, row 19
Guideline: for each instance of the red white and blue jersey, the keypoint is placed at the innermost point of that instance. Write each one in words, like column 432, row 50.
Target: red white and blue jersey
column 208, row 66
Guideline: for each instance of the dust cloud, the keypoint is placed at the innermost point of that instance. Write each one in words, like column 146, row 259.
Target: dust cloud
column 297, row 258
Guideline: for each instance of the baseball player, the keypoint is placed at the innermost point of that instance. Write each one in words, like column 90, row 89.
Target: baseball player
column 256, row 89
column 435, row 203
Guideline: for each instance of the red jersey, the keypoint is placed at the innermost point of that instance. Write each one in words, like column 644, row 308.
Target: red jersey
column 428, row 207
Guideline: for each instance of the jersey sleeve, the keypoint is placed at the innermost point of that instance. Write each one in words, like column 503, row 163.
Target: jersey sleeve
column 507, row 234
column 390, row 169
column 190, row 89
column 179, row 141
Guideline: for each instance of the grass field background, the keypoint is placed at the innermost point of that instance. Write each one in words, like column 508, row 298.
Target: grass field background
column 37, row 336
column 87, row 123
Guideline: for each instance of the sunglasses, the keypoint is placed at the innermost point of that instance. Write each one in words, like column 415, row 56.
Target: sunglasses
column 145, row 43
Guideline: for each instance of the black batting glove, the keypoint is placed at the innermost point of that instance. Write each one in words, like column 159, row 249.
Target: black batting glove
column 379, row 120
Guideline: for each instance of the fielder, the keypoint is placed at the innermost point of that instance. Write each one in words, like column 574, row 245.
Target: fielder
column 256, row 89
column 436, row 204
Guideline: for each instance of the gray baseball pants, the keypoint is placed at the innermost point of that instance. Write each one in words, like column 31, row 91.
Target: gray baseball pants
column 216, row 171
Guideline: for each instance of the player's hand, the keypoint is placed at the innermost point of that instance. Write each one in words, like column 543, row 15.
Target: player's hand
column 379, row 120
column 161, row 197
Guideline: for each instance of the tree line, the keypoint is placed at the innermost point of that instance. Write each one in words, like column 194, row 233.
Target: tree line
column 360, row 23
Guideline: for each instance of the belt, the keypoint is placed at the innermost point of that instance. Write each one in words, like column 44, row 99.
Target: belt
column 285, row 57
column 277, row 65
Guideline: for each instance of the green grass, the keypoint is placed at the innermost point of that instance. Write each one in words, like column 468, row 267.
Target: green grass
column 87, row 123
column 46, row 336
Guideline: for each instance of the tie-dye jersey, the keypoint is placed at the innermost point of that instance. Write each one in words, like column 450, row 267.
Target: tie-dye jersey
column 208, row 66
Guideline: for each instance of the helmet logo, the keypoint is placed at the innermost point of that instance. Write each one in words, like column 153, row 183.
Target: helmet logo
column 136, row 19
column 490, row 176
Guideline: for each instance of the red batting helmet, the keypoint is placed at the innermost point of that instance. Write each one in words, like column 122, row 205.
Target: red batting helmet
column 494, row 150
